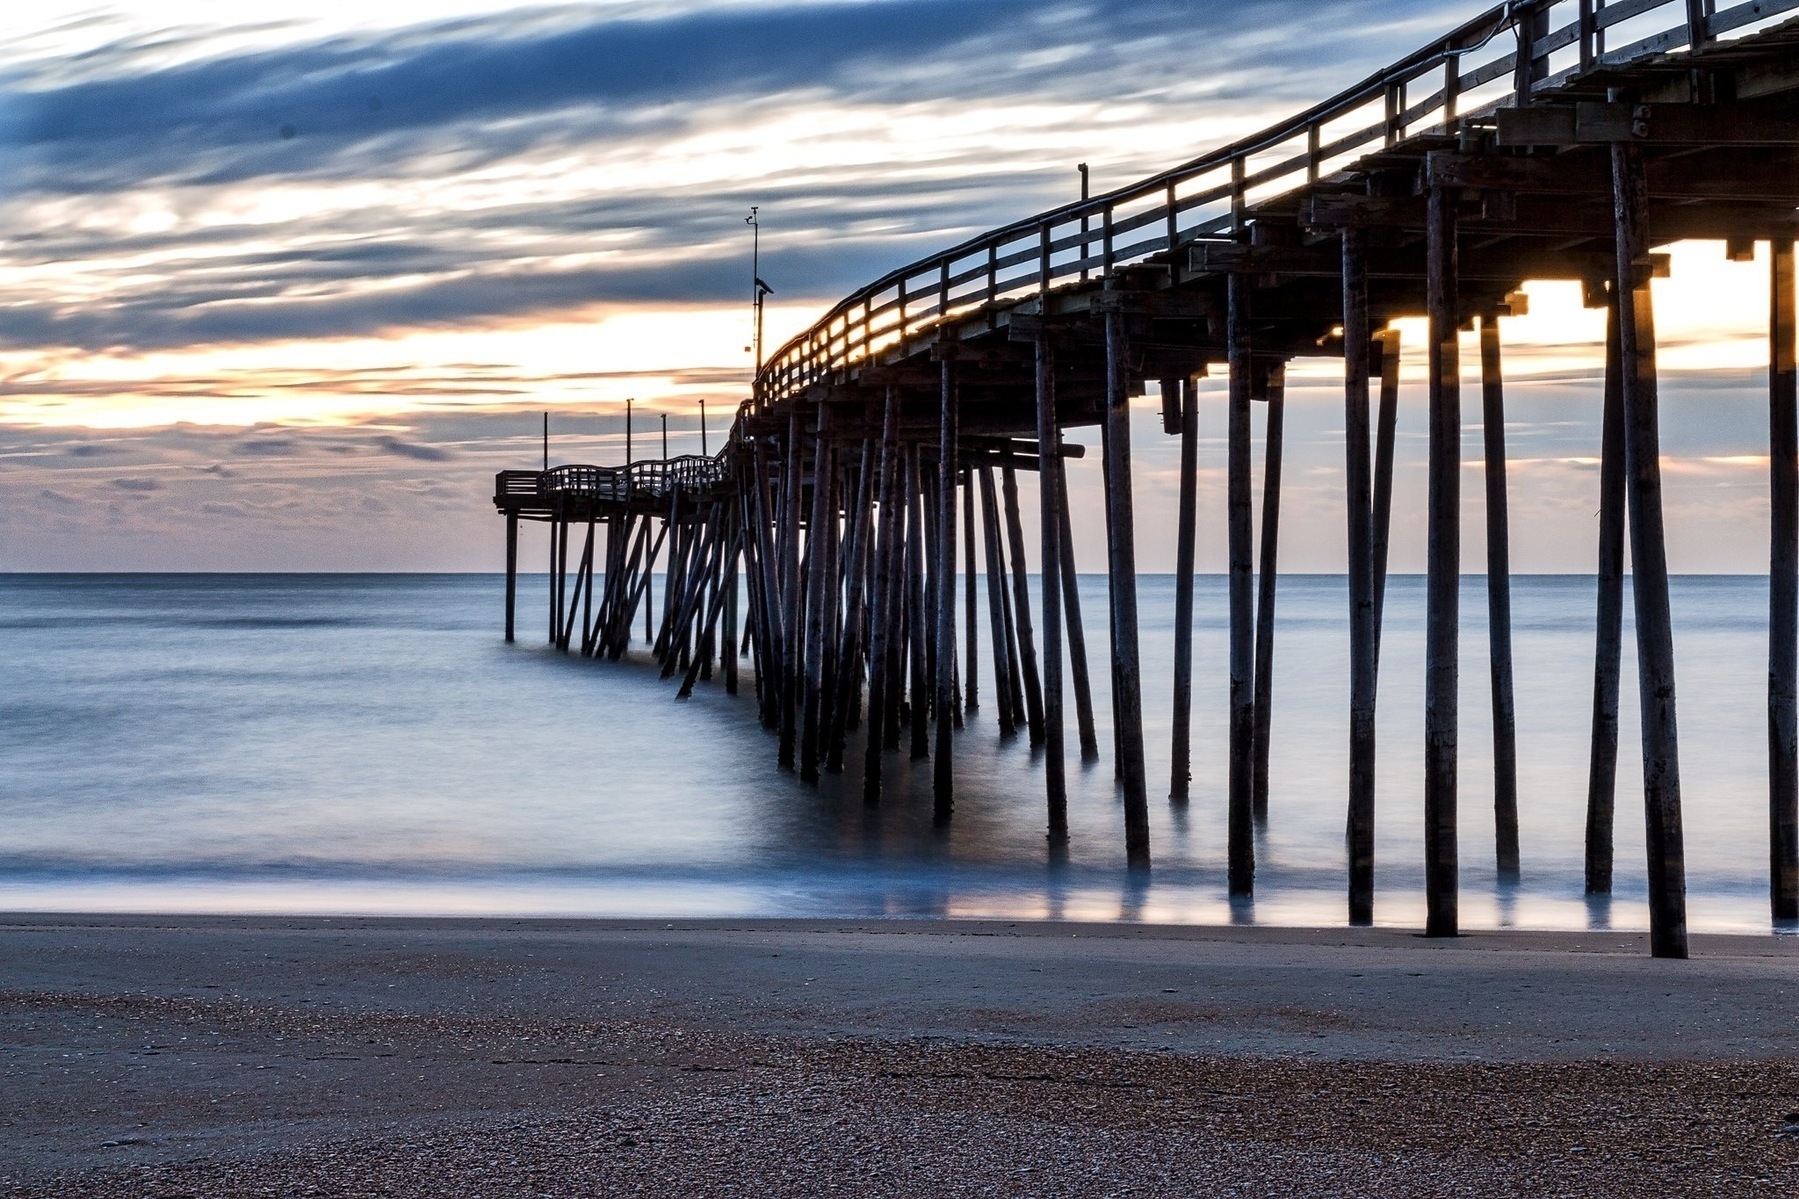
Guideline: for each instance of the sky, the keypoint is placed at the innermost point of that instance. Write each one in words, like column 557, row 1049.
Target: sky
column 283, row 292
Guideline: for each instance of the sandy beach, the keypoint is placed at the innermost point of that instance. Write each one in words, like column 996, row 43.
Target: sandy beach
column 196, row 1056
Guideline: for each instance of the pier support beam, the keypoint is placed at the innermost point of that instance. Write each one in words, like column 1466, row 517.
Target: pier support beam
column 1240, row 807
column 1783, row 591
column 818, row 580
column 511, row 571
column 1077, row 631
column 971, row 637
column 1021, row 600
column 1602, row 766
column 1127, row 671
column 1005, row 670
column 1049, row 459
column 918, row 622
column 1443, row 557
column 1180, row 769
column 1266, row 577
column 1357, row 350
column 792, row 474
column 560, row 595
column 1386, row 432
column 884, row 608
column 1649, row 559
column 1499, row 604
column 943, row 574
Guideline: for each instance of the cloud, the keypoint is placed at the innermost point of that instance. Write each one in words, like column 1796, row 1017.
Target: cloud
column 493, row 169
column 268, row 447
column 408, row 449
column 303, row 108
column 137, row 484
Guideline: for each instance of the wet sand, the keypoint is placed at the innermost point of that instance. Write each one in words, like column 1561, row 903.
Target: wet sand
column 248, row 1056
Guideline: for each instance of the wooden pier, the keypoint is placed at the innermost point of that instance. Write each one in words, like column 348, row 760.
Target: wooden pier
column 1554, row 139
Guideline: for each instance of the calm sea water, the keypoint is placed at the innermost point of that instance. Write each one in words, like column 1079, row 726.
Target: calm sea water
column 361, row 744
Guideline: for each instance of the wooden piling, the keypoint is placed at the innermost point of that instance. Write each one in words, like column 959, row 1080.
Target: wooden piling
column 1386, row 432
column 1180, row 770
column 511, row 571
column 728, row 648
column 1602, row 765
column 1049, row 459
column 792, row 633
column 1240, row 808
column 885, row 533
column 1499, row 605
column 917, row 619
column 1649, row 558
column 583, row 596
column 1128, row 697
column 1077, row 631
column 1005, row 671
column 818, row 578
column 927, row 630
column 561, row 575
column 849, row 652
column 1783, row 591
column 731, row 543
column 1358, row 349
column 943, row 782
column 1021, row 601
column 1443, row 559
column 768, row 608
column 971, row 667
column 899, row 648
column 1266, row 578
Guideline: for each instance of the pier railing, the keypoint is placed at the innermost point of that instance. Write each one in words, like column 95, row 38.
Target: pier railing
column 649, row 480
column 1500, row 59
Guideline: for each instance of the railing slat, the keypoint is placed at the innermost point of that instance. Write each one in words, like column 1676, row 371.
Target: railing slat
column 1624, row 10
column 1747, row 14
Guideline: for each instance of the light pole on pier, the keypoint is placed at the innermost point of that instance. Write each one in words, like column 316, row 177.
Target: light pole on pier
column 758, row 288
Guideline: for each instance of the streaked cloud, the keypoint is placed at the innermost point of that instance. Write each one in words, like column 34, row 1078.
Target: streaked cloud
column 284, row 293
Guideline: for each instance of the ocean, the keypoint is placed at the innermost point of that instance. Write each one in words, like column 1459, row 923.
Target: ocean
column 368, row 744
